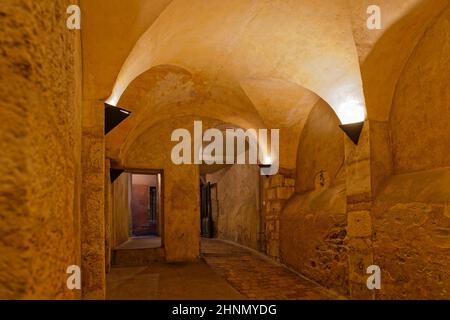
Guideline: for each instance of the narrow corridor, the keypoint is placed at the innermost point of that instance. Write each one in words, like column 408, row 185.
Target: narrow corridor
column 227, row 271
column 315, row 131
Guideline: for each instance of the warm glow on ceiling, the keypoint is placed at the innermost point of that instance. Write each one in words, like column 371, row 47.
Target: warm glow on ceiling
column 351, row 111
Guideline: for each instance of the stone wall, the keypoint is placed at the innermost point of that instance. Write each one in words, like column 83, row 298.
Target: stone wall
column 277, row 190
column 313, row 223
column 93, row 199
column 312, row 240
column 397, row 182
column 239, row 204
column 181, row 204
column 94, row 174
column 411, row 220
column 40, row 139
column 421, row 107
column 411, row 231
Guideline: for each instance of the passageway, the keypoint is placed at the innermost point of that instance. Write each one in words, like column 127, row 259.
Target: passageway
column 295, row 128
column 226, row 271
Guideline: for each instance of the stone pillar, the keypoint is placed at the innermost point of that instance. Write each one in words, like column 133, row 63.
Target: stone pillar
column 359, row 223
column 277, row 190
column 92, row 201
column 40, row 142
column 108, row 216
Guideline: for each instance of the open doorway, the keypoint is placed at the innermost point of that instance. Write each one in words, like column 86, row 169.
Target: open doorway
column 137, row 221
column 145, row 214
column 209, row 210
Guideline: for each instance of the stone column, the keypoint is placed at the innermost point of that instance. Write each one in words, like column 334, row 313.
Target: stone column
column 108, row 216
column 359, row 223
column 277, row 190
column 92, row 201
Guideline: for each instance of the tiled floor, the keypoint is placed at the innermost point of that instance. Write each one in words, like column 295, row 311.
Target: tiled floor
column 227, row 272
column 257, row 277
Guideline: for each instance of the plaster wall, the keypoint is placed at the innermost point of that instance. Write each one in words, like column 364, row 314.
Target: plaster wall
column 238, row 192
column 181, row 198
column 421, row 106
column 321, row 147
column 120, row 216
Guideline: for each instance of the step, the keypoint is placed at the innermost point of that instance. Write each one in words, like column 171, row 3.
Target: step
column 137, row 257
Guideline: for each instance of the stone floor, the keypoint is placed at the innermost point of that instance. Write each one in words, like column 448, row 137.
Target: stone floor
column 256, row 276
column 165, row 281
column 226, row 272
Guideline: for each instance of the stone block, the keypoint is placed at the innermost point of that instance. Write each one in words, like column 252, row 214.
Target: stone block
column 266, row 182
column 288, row 182
column 273, row 249
column 276, row 181
column 359, row 224
column 274, row 207
column 270, row 226
column 358, row 264
column 284, row 193
column 358, row 178
column 271, row 194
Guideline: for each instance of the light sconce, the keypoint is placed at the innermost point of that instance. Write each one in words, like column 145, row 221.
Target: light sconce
column 352, row 113
column 266, row 163
column 115, row 173
column 114, row 116
column 353, row 131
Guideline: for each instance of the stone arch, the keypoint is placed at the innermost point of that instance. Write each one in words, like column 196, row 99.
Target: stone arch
column 421, row 105
column 167, row 91
column 321, row 147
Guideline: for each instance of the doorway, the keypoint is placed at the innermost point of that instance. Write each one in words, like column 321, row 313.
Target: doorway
column 145, row 221
column 209, row 210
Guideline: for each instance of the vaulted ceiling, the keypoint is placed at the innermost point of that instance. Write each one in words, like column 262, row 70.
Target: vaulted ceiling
column 248, row 63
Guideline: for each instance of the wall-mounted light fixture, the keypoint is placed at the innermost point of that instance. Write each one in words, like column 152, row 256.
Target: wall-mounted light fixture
column 266, row 162
column 114, row 116
column 115, row 173
column 352, row 113
column 353, row 130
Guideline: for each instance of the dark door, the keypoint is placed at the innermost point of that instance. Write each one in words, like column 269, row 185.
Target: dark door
column 206, row 211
